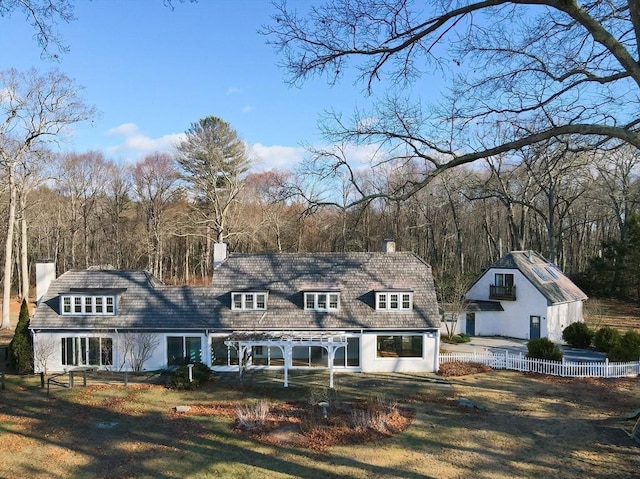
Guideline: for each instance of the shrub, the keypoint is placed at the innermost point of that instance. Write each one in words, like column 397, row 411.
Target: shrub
column 578, row 335
column 179, row 379
column 458, row 338
column 606, row 339
column 543, row 348
column 627, row 349
column 21, row 346
column 252, row 415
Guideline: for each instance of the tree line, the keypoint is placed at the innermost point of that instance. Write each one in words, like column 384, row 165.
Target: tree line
column 165, row 212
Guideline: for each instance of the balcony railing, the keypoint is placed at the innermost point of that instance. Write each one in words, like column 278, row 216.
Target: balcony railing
column 507, row 293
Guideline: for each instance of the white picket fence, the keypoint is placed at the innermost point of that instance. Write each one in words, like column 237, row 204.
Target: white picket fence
column 519, row 362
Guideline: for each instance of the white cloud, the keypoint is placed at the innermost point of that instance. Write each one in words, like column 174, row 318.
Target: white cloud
column 247, row 109
column 233, row 90
column 136, row 145
column 275, row 157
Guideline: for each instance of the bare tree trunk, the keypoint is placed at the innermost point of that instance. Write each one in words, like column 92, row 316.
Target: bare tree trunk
column 24, row 262
column 8, row 251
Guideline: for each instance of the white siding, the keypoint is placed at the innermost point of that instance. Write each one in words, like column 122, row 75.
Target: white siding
column 370, row 362
column 560, row 316
column 513, row 322
column 157, row 360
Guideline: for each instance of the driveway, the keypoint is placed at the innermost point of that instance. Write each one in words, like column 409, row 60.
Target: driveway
column 517, row 346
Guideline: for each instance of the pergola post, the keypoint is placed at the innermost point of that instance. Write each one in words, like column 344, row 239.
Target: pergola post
column 287, row 353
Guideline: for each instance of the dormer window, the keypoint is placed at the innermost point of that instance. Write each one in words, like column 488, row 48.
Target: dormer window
column 394, row 300
column 76, row 304
column 249, row 301
column 322, row 301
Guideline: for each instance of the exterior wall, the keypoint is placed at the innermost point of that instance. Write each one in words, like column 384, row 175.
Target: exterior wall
column 560, row 316
column 51, row 343
column 513, row 322
column 460, row 327
column 428, row 363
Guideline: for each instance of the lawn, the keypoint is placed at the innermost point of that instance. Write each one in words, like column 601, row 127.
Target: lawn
column 524, row 426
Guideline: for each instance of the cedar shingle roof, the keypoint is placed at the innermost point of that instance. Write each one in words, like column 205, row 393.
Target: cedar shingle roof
column 544, row 275
column 356, row 275
column 145, row 303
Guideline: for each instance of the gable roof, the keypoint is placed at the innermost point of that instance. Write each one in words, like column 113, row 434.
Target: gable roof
column 145, row 303
column 554, row 285
column 357, row 276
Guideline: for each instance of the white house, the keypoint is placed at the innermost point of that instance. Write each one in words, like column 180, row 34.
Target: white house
column 350, row 311
column 522, row 295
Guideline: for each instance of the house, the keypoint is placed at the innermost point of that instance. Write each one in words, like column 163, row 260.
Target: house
column 350, row 311
column 522, row 295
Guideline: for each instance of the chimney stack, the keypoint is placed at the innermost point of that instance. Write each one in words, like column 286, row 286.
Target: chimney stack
column 388, row 245
column 219, row 254
column 45, row 274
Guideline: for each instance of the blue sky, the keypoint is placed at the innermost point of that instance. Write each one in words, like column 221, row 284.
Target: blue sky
column 152, row 71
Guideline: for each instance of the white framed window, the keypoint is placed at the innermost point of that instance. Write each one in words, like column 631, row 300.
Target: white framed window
column 322, row 301
column 82, row 351
column 86, row 304
column 249, row 301
column 394, row 300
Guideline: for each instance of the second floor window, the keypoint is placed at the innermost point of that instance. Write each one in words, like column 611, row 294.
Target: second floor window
column 392, row 300
column 322, row 301
column 249, row 301
column 86, row 304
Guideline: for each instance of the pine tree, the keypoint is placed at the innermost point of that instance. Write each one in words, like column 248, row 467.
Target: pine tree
column 21, row 346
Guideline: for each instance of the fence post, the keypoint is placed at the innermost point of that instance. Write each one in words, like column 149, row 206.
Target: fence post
column 606, row 367
column 506, row 359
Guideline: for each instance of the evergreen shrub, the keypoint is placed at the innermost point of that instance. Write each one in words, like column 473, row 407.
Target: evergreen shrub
column 578, row 335
column 543, row 348
column 627, row 349
column 606, row 339
column 21, row 346
column 179, row 379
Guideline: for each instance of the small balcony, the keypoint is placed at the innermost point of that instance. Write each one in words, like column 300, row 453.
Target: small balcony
column 506, row 293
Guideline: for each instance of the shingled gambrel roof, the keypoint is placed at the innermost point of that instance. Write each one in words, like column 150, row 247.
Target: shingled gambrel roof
column 143, row 302
column 356, row 275
column 554, row 285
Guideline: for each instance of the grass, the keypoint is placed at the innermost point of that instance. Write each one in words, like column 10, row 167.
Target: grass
column 528, row 426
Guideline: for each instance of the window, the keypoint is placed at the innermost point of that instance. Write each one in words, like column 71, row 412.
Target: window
column 503, row 287
column 249, row 301
column 181, row 349
column 504, row 280
column 86, row 304
column 322, row 301
column 399, row 346
column 396, row 301
column 79, row 351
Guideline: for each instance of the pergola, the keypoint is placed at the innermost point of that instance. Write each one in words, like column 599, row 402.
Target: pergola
column 243, row 342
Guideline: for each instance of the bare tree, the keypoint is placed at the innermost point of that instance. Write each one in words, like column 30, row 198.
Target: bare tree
column 137, row 348
column 519, row 73
column 154, row 182
column 34, row 110
column 450, row 292
column 43, row 350
column 43, row 16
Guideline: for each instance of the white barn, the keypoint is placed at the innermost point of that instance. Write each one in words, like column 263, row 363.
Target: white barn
column 522, row 295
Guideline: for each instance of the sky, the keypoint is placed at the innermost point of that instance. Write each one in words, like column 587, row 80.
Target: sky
column 151, row 71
